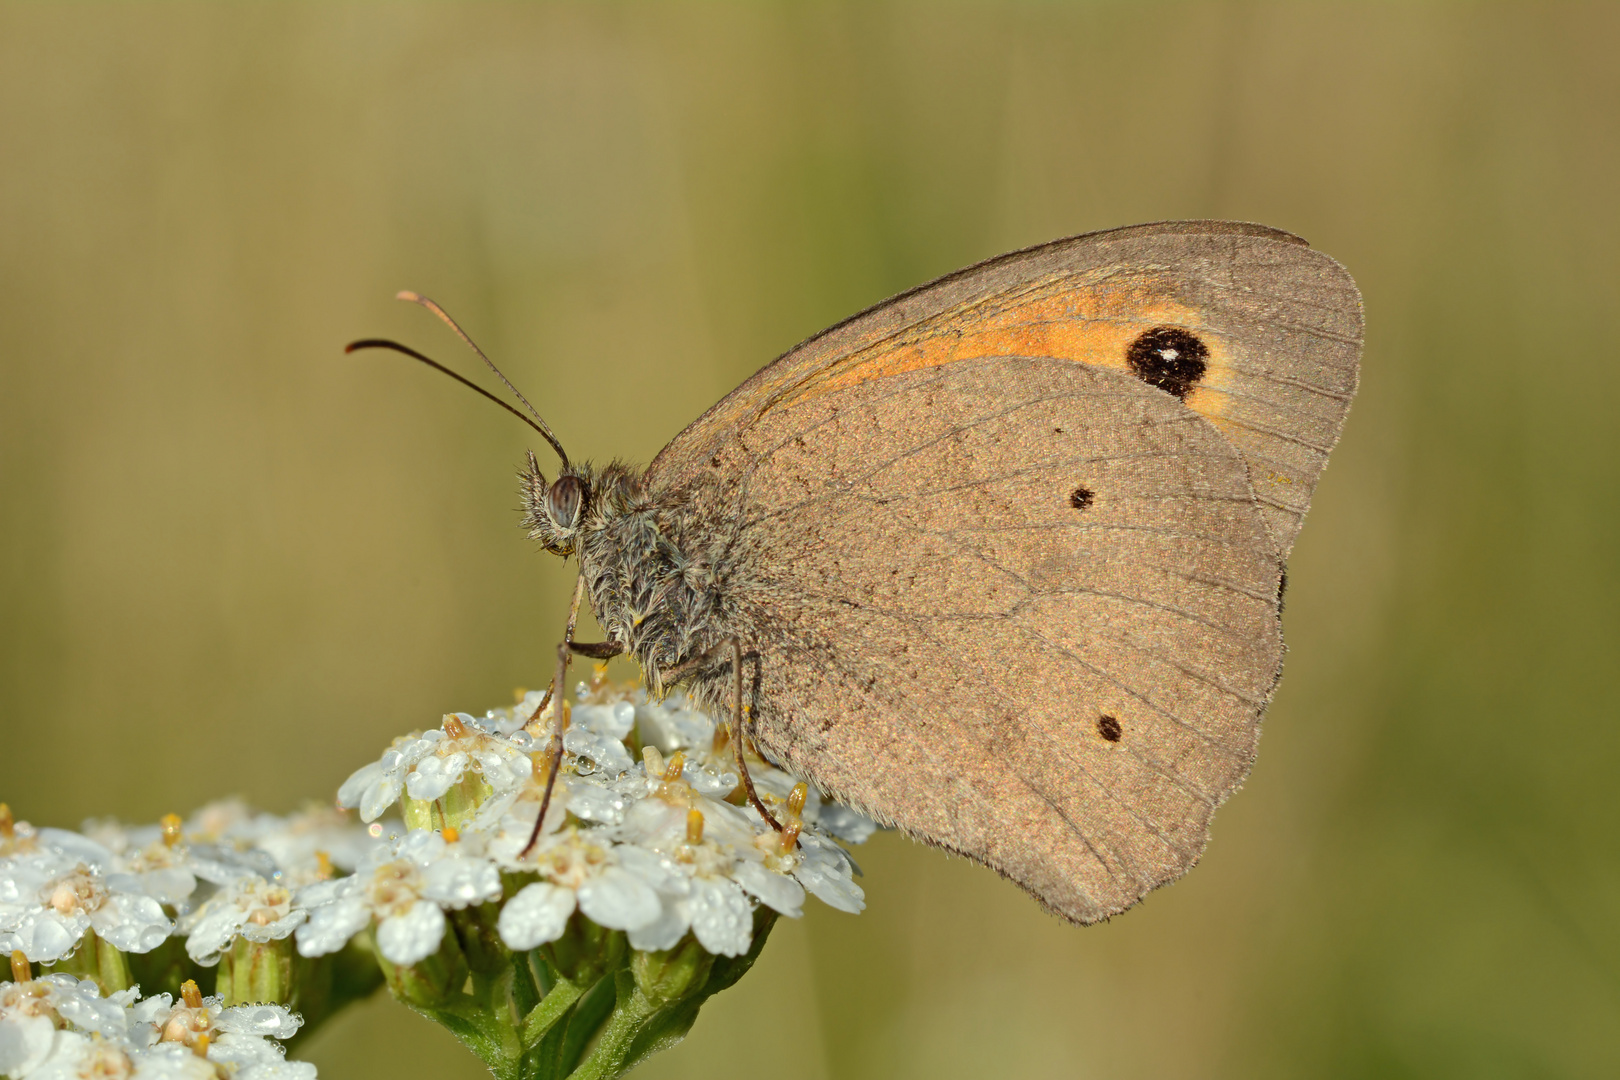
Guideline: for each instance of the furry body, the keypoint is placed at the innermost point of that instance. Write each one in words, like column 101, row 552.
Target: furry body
column 672, row 576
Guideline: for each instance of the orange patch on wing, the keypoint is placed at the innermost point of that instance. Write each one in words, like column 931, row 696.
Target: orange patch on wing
column 1087, row 321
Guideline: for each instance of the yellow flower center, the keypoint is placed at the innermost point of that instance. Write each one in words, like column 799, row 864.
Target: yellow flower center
column 571, row 861
column 74, row 892
column 394, row 889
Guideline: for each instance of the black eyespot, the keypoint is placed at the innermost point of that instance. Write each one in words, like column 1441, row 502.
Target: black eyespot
column 1168, row 357
column 1080, row 498
column 564, row 501
column 1109, row 728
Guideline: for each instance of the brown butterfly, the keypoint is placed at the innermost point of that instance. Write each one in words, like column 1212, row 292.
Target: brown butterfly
column 998, row 561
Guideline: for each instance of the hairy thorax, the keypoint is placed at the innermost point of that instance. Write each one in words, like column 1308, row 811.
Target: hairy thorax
column 666, row 571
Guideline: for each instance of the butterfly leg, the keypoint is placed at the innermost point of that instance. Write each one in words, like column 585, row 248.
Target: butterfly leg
column 737, row 738
column 568, row 644
column 554, row 752
column 596, row 650
column 670, row 676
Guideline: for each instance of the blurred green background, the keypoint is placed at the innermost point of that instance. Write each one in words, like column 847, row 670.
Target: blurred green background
column 236, row 561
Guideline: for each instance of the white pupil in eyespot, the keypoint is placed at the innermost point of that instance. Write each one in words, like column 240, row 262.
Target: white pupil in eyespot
column 1169, row 354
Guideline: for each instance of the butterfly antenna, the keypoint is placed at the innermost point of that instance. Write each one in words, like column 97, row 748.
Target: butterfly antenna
column 384, row 343
column 540, row 421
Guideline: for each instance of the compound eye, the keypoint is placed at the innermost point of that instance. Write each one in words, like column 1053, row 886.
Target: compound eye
column 564, row 500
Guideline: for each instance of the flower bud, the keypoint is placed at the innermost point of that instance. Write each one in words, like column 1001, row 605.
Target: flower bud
column 585, row 950
column 257, row 971
column 670, row 974
column 429, row 983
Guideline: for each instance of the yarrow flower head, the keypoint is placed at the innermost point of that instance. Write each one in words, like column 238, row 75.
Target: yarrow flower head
column 651, row 847
column 49, row 899
column 115, row 907
column 650, row 857
column 403, row 890
column 652, row 881
column 57, row 1027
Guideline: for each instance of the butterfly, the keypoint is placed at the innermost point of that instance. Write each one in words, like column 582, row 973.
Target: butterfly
column 1000, row 561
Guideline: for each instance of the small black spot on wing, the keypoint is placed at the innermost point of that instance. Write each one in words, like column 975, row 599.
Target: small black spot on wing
column 1109, row 728
column 1081, row 497
column 1169, row 357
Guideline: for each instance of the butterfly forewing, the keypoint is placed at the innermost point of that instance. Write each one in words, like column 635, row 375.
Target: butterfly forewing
column 1014, row 558
column 1279, row 325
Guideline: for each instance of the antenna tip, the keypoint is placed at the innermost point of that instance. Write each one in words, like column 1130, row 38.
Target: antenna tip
column 352, row 346
column 408, row 296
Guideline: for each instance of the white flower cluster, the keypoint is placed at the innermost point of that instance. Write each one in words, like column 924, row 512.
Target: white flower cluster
column 225, row 873
column 650, row 846
column 647, row 833
column 57, row 1027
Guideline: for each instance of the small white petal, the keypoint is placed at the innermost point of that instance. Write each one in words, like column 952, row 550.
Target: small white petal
column 239, row 1052
column 536, row 915
column 82, row 1008
column 422, row 846
column 172, row 1061
column 828, row 878
column 657, row 824
column 664, row 932
column 613, row 721
column 592, row 802
column 415, row 935
column 436, row 775
column 618, row 900
column 278, row 1070
column 132, row 923
column 708, row 781
column 379, row 796
column 777, row 890
column 319, row 893
column 269, row 1021
column 460, row 882
column 221, row 866
column 504, row 770
column 673, row 725
column 721, row 917
column 608, row 755
column 212, row 932
column 170, row 885
column 149, row 1010
column 331, row 926
column 355, row 787
column 274, row 931
column 25, row 1043
column 844, row 823
column 650, row 868
column 76, row 846
column 45, row 936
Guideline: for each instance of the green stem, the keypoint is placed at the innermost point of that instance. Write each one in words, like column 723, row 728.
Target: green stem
column 552, row 1008
column 112, row 970
column 631, row 1009
column 97, row 960
column 583, row 1024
